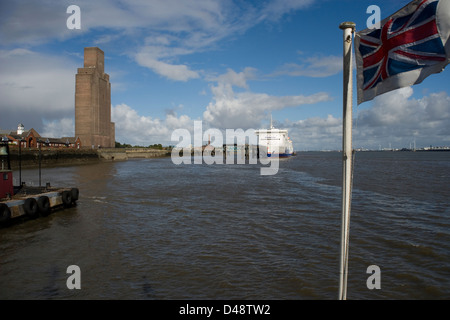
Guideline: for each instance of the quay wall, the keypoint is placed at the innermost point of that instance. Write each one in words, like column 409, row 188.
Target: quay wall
column 51, row 157
column 66, row 156
column 131, row 153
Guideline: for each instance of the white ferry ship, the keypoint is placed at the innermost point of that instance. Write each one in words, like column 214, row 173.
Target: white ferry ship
column 276, row 141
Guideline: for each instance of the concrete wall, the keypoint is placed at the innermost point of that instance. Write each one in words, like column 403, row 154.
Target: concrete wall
column 52, row 157
column 68, row 156
column 131, row 153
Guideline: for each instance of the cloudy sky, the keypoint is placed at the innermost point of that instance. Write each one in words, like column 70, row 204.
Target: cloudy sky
column 230, row 64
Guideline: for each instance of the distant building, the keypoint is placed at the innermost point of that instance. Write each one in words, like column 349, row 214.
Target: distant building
column 93, row 102
column 93, row 126
column 32, row 139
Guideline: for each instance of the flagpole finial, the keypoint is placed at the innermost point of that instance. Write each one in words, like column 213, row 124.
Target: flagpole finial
column 347, row 24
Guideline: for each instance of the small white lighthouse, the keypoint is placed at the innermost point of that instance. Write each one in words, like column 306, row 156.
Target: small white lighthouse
column 20, row 128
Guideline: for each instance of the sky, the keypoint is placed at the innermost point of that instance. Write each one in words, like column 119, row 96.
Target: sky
column 231, row 64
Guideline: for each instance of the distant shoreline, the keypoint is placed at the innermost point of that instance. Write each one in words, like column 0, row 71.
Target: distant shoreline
column 51, row 157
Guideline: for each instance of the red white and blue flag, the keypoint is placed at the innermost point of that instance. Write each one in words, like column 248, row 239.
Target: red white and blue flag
column 409, row 46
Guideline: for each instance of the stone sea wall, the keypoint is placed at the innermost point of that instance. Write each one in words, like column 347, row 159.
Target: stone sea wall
column 131, row 153
column 52, row 157
column 65, row 157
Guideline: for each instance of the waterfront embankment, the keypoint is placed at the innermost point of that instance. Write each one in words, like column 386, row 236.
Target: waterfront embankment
column 48, row 157
column 131, row 153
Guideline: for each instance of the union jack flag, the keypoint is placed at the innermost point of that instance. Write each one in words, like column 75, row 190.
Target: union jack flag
column 408, row 47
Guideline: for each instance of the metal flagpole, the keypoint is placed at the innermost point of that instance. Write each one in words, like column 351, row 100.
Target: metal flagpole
column 348, row 28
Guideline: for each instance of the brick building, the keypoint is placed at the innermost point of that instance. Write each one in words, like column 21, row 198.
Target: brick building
column 93, row 126
column 32, row 139
column 93, row 102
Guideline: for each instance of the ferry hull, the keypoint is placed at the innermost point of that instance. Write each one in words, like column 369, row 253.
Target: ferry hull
column 281, row 155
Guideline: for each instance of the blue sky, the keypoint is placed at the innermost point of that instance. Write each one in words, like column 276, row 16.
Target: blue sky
column 228, row 63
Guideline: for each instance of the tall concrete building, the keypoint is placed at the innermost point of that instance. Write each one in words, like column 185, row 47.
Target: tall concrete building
column 93, row 102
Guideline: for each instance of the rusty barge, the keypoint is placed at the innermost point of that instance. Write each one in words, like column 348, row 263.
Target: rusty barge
column 27, row 201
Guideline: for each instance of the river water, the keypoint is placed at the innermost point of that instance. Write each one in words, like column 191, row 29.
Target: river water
column 150, row 229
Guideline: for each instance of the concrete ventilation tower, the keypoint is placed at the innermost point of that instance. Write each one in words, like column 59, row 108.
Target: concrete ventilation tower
column 93, row 102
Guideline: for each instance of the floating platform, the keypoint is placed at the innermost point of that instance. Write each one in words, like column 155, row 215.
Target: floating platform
column 27, row 201
column 32, row 202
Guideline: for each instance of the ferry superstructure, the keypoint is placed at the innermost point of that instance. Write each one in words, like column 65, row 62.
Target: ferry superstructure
column 276, row 141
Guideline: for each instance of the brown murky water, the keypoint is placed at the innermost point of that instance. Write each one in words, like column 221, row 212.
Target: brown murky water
column 149, row 229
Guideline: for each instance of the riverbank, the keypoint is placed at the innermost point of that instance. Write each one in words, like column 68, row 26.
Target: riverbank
column 49, row 157
column 131, row 153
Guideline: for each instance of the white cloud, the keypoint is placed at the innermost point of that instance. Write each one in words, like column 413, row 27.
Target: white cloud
column 136, row 129
column 247, row 109
column 170, row 28
column 397, row 118
column 64, row 127
column 170, row 71
column 275, row 9
column 232, row 78
column 317, row 133
column 316, row 67
column 46, row 19
column 32, row 22
column 35, row 86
